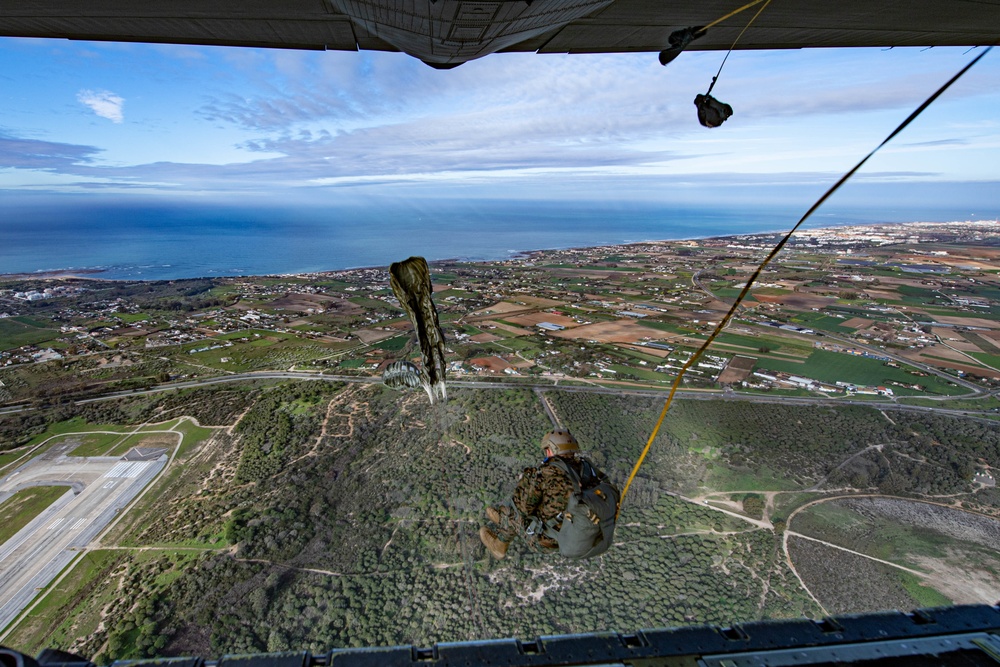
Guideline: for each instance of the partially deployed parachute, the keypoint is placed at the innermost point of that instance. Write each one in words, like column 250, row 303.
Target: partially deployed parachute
column 401, row 375
column 411, row 283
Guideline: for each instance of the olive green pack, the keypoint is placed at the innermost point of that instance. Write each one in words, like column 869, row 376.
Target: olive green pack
column 588, row 522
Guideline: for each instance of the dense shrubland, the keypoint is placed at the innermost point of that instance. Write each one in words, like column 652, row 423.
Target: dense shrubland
column 347, row 516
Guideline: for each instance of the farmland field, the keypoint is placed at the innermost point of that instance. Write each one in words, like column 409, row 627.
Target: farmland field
column 18, row 331
column 832, row 367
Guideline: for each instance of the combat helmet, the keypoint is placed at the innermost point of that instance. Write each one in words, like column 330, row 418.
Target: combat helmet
column 560, row 441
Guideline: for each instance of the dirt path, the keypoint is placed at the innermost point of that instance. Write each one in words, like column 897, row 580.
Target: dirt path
column 938, row 577
column 791, row 566
column 328, row 573
column 917, row 573
column 548, row 407
column 236, row 423
column 760, row 523
column 815, row 487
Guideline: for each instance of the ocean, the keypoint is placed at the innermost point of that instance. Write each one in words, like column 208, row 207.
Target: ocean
column 162, row 243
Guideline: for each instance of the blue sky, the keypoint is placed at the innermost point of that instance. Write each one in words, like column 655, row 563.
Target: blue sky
column 105, row 121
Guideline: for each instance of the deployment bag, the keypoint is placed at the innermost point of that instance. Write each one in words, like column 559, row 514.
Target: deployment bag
column 588, row 522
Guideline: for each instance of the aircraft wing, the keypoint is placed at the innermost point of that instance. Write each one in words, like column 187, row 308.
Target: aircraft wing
column 445, row 33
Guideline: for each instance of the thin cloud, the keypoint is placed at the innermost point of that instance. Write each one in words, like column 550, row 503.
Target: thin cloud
column 104, row 103
column 20, row 153
column 938, row 142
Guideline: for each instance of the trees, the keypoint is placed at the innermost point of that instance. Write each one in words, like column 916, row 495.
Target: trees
column 366, row 532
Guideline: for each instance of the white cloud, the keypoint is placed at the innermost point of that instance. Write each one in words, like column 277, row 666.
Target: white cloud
column 104, row 103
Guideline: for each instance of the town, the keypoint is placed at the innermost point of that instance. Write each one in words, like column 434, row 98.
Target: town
column 888, row 311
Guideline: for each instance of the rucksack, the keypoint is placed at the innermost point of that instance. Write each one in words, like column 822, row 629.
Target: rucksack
column 588, row 522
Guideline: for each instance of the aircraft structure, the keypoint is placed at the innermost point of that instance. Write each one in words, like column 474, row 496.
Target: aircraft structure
column 962, row 636
column 447, row 33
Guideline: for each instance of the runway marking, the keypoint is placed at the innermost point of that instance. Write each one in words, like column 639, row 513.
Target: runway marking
column 111, row 484
column 56, row 523
column 137, row 468
column 79, row 523
column 128, row 469
column 118, row 469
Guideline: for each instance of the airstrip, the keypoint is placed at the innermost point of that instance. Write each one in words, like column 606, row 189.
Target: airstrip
column 97, row 489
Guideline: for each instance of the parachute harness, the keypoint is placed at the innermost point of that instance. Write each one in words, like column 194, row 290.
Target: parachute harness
column 767, row 260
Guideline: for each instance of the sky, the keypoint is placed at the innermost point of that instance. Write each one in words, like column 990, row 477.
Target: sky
column 86, row 121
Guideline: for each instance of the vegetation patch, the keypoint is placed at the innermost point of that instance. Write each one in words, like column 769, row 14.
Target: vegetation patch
column 65, row 611
column 832, row 367
column 18, row 331
column 96, row 444
column 17, row 511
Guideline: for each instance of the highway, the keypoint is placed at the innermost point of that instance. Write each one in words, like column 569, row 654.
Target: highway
column 97, row 488
column 704, row 395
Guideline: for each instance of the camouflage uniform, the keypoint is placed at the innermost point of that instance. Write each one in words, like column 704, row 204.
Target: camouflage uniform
column 541, row 495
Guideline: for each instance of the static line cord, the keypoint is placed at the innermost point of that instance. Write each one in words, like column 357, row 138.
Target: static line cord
column 767, row 260
column 732, row 14
column 716, row 77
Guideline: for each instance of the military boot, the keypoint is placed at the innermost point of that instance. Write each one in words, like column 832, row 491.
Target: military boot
column 493, row 544
column 493, row 515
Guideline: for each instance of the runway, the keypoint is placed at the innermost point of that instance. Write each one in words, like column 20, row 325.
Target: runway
column 97, row 488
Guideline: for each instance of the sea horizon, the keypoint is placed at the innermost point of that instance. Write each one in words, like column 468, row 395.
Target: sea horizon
column 175, row 244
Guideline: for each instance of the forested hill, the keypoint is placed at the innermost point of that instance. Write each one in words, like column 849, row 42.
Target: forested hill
column 348, row 515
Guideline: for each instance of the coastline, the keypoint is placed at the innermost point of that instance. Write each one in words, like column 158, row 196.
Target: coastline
column 95, row 274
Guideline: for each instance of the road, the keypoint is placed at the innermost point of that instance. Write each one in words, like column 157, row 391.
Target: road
column 704, row 395
column 98, row 488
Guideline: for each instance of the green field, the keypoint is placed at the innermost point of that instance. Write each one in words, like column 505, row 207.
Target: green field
column 131, row 318
column 635, row 354
column 641, row 373
column 922, row 593
column 394, row 344
column 18, row 331
column 831, row 367
column 7, row 458
column 520, row 344
column 732, row 293
column 273, row 350
column 18, row 510
column 460, row 293
column 988, row 359
column 822, row 322
column 722, row 478
column 96, row 444
column 775, row 344
column 193, row 435
column 75, row 425
column 373, row 304
column 972, row 404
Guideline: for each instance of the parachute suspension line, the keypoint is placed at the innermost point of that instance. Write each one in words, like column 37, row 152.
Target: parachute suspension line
column 734, row 13
column 767, row 260
column 716, row 77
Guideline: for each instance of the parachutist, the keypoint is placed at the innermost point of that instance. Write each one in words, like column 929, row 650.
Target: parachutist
column 712, row 112
column 565, row 505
